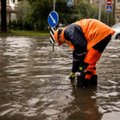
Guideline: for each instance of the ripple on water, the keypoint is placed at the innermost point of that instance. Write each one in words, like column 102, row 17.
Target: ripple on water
column 50, row 112
column 111, row 116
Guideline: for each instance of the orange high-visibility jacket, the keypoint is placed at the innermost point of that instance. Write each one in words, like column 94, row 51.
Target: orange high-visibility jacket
column 94, row 31
column 90, row 30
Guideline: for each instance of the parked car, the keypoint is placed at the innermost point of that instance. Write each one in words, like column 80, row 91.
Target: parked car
column 116, row 35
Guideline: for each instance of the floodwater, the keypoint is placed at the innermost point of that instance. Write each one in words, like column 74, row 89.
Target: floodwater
column 34, row 83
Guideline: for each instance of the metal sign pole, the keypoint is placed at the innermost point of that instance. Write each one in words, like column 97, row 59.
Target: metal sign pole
column 54, row 1
column 108, row 10
column 99, row 16
column 53, row 19
column 108, row 18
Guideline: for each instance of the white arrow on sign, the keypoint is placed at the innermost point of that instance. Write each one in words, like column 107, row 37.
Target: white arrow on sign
column 52, row 19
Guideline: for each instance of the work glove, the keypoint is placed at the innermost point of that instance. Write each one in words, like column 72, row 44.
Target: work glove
column 72, row 76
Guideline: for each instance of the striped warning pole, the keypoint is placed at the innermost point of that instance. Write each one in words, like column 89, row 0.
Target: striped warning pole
column 53, row 19
column 52, row 40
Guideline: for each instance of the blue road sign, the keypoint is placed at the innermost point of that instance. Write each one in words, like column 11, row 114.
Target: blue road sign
column 53, row 19
column 108, row 8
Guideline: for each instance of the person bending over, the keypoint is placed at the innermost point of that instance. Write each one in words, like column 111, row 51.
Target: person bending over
column 88, row 39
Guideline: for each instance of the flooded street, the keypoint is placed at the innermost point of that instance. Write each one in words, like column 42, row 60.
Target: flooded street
column 34, row 83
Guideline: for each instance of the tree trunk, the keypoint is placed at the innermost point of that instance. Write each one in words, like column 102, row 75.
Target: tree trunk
column 3, row 16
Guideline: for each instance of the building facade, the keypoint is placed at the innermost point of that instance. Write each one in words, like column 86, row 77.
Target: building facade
column 10, row 9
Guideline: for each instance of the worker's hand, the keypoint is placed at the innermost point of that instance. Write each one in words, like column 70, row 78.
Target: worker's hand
column 72, row 76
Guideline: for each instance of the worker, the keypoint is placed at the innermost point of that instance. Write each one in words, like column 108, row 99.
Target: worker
column 87, row 38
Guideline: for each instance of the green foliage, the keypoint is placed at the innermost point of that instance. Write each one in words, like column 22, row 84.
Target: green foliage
column 107, row 18
column 40, row 14
column 86, row 10
column 66, row 14
column 33, row 14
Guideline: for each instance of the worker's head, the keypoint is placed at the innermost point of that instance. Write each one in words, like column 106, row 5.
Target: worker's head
column 59, row 36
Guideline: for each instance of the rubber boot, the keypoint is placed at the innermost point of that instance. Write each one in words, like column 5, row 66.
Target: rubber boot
column 81, row 81
column 93, row 80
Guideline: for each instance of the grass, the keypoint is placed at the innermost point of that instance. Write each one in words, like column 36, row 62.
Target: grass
column 25, row 33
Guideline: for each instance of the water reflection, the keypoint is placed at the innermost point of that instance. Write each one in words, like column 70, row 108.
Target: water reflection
column 34, row 83
column 84, row 106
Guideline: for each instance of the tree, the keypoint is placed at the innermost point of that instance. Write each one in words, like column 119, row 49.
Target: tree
column 39, row 13
column 3, row 16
